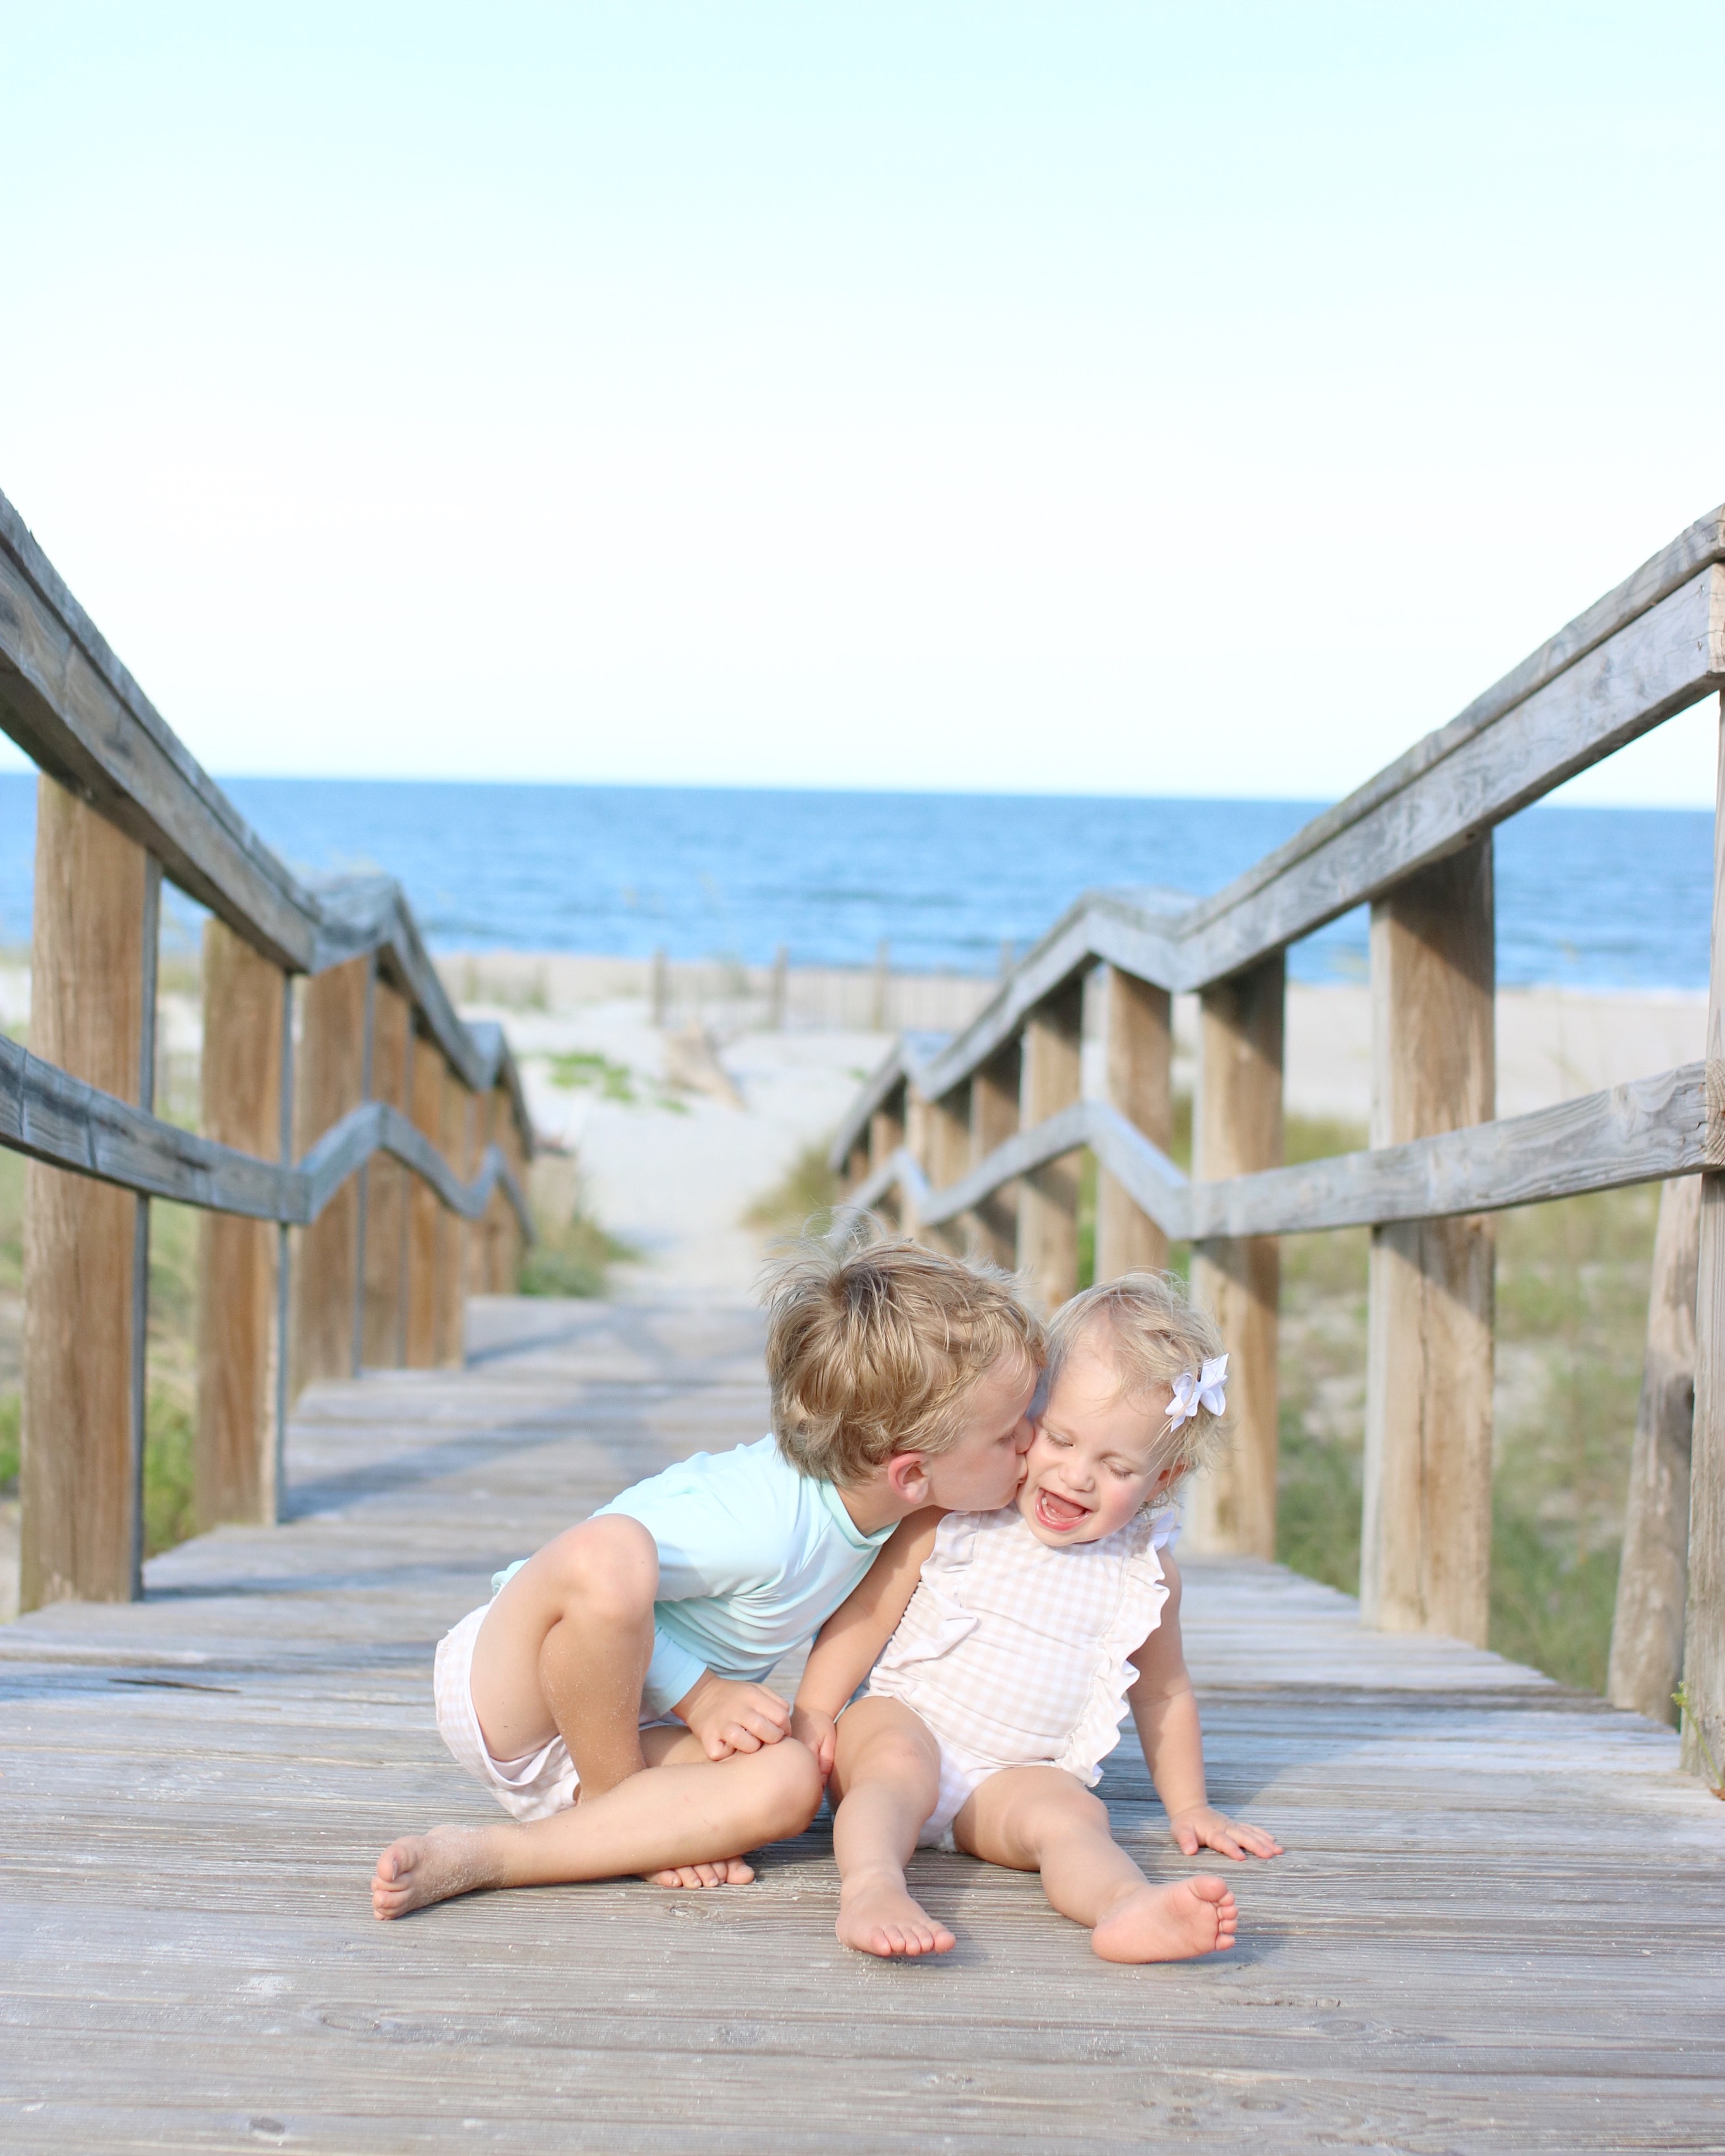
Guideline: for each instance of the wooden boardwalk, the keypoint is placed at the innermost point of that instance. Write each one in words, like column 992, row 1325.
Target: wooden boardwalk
column 1500, row 1923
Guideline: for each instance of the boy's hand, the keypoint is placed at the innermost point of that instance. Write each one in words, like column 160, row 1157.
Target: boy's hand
column 819, row 1731
column 729, row 1715
column 1201, row 1826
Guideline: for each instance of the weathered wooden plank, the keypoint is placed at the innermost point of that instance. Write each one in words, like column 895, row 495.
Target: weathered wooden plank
column 1645, row 1131
column 329, row 1084
column 1585, row 694
column 1704, row 1618
column 1051, row 1080
column 1652, row 1574
column 1136, row 1019
column 234, row 1446
column 78, row 714
column 79, row 1474
column 423, row 1292
column 996, row 1095
column 459, row 1138
column 1426, row 1543
column 1238, row 1130
column 386, row 1187
column 1447, row 1959
column 1645, row 651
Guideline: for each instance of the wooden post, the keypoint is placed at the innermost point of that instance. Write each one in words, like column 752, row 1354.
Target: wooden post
column 78, row 1481
column 1137, row 1019
column 1652, row 1576
column 883, row 984
column 329, row 1082
column 387, row 1186
column 1426, row 1558
column 781, row 989
column 948, row 1143
column 507, row 1280
column 996, row 1091
column 149, row 934
column 424, row 1212
column 363, row 1180
column 453, row 1231
column 1704, row 1622
column 1051, row 1079
column 233, row 1453
column 1240, row 1130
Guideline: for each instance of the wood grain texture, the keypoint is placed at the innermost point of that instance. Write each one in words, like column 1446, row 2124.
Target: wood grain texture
column 1051, row 1080
column 1704, row 1621
column 1426, row 1544
column 1653, row 1572
column 1650, row 649
column 386, row 1187
column 1238, row 1128
column 461, row 1153
column 78, row 1475
column 234, row 1446
column 996, row 1095
column 1456, row 1954
column 429, row 1095
column 1136, row 1021
column 329, row 1084
column 946, row 1159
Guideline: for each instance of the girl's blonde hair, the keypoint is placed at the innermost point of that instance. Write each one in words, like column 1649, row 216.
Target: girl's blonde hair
column 1145, row 1326
column 875, row 1347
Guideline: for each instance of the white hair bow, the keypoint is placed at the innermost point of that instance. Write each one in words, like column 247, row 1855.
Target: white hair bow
column 1202, row 1389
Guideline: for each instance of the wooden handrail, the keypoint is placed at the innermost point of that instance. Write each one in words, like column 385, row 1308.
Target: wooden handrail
column 51, row 1116
column 1645, row 1131
column 409, row 1125
column 1647, row 651
column 975, row 1140
column 79, row 714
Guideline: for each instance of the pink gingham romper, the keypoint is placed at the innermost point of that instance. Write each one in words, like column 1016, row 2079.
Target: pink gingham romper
column 1015, row 1654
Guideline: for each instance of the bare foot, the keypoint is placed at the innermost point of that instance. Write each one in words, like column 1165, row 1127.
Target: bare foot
column 876, row 1916
column 728, row 1872
column 1168, row 1924
column 422, row 1868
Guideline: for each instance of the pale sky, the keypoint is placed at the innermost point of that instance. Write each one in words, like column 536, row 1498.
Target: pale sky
column 1099, row 398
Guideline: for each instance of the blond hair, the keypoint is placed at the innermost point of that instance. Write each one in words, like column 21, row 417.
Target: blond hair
column 875, row 1347
column 1144, row 1325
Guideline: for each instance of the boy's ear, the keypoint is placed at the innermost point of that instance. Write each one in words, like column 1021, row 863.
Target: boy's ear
column 907, row 1478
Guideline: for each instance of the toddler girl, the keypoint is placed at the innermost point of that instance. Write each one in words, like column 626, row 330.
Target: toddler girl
column 1005, row 1668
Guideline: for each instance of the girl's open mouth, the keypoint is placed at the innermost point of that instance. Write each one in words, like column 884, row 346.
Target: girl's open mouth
column 1058, row 1514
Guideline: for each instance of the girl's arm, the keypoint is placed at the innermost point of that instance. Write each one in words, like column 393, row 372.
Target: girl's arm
column 847, row 1646
column 1165, row 1711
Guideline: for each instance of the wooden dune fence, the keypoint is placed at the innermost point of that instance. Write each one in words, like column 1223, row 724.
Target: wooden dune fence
column 975, row 1141
column 361, row 1150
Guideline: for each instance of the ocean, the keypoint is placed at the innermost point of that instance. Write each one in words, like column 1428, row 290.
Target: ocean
column 1589, row 898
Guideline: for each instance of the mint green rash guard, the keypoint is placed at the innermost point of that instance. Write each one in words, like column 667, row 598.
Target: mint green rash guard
column 753, row 1559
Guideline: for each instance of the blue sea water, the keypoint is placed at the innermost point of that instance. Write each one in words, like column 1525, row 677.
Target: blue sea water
column 1587, row 897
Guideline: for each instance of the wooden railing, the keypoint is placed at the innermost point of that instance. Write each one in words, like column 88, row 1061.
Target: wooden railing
column 975, row 1141
column 361, row 1154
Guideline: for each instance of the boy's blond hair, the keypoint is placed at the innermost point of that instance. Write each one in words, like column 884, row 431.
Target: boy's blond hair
column 875, row 1347
column 1145, row 1326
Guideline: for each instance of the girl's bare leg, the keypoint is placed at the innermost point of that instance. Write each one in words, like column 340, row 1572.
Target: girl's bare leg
column 887, row 1773
column 679, row 1816
column 1041, row 1819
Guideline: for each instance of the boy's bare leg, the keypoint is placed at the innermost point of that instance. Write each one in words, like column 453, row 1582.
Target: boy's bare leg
column 675, row 1816
column 1042, row 1818
column 564, row 1649
column 887, row 1773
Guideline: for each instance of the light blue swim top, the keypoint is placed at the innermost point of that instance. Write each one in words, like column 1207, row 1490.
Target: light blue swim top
column 753, row 1559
